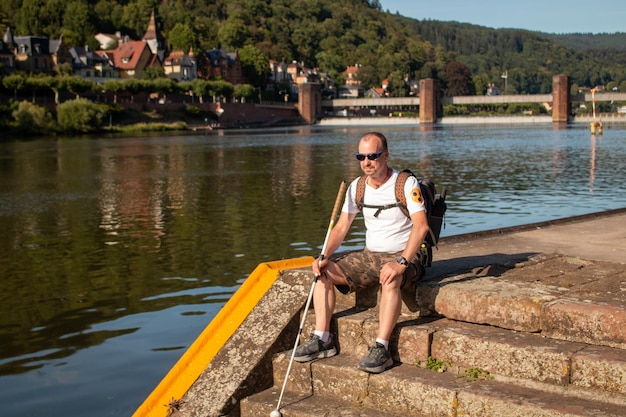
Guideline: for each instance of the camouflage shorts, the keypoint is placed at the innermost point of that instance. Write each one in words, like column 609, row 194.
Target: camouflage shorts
column 362, row 268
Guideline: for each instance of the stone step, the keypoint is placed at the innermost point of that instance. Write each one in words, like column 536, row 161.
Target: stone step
column 517, row 357
column 297, row 405
column 558, row 296
column 332, row 386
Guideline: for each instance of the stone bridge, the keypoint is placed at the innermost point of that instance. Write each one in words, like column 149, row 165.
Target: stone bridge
column 430, row 103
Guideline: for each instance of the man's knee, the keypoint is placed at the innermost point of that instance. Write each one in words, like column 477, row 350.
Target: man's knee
column 334, row 275
column 394, row 285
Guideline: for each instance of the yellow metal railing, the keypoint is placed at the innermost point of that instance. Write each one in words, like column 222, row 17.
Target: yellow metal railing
column 198, row 356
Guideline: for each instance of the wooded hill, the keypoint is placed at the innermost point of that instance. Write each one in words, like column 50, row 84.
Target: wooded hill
column 332, row 35
column 589, row 41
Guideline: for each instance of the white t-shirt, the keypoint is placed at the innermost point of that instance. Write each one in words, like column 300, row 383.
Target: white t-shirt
column 389, row 232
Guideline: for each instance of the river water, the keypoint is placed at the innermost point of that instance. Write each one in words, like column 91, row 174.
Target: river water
column 116, row 252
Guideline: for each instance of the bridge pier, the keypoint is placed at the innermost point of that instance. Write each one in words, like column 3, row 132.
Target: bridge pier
column 561, row 104
column 310, row 101
column 429, row 101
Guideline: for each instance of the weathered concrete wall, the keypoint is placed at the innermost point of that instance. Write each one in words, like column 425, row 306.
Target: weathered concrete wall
column 243, row 366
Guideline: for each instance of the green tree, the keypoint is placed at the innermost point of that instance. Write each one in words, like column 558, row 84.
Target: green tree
column 417, row 54
column 459, row 80
column 65, row 83
column 305, row 37
column 77, row 23
column 27, row 18
column 80, row 116
column 153, row 73
column 254, row 65
column 5, row 116
column 206, row 31
column 163, row 86
column 182, row 37
column 113, row 86
column 481, row 83
column 244, row 91
column 110, row 15
column 56, row 84
column 15, row 82
column 200, row 88
column 368, row 76
column 220, row 88
column 78, row 85
column 397, row 86
column 36, row 84
column 134, row 86
column 385, row 66
column 136, row 15
column 330, row 62
column 185, row 87
column 30, row 118
column 233, row 33
column 64, row 69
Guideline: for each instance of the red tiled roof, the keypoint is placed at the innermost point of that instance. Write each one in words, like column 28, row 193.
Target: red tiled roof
column 174, row 57
column 352, row 69
column 127, row 54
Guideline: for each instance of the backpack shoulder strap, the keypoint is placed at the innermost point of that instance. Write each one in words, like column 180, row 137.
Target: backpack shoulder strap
column 399, row 190
column 400, row 197
column 360, row 191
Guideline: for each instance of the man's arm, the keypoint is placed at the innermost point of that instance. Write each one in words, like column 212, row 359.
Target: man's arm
column 418, row 234
column 337, row 235
column 419, row 229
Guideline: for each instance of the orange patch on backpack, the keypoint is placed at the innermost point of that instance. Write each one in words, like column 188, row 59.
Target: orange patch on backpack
column 416, row 195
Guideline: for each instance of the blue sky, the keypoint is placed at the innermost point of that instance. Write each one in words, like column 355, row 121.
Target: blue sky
column 551, row 16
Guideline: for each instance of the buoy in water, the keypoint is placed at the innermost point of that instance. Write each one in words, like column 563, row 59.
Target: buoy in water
column 596, row 127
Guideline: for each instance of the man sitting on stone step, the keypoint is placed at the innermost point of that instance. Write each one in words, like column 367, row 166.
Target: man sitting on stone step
column 389, row 259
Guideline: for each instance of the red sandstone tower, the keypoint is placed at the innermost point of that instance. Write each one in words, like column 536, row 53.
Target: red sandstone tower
column 560, row 99
column 309, row 101
column 429, row 101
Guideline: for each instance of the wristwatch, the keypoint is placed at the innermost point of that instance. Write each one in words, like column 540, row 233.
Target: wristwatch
column 402, row 261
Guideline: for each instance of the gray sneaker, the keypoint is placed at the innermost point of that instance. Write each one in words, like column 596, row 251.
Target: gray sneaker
column 314, row 348
column 377, row 360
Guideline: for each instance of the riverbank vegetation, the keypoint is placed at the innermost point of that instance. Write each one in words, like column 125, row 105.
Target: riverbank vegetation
column 505, row 109
column 78, row 116
column 87, row 107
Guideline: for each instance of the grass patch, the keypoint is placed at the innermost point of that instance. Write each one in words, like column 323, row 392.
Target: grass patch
column 433, row 365
column 472, row 374
column 148, row 127
column 475, row 374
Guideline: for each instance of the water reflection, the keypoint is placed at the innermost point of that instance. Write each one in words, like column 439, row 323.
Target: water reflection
column 592, row 165
column 117, row 252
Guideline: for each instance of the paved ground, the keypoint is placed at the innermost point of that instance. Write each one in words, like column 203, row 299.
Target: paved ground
column 599, row 237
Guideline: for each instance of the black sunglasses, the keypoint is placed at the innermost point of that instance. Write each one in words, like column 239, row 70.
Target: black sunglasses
column 371, row 156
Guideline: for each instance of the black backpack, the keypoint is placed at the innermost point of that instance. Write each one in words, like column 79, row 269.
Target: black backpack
column 435, row 209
